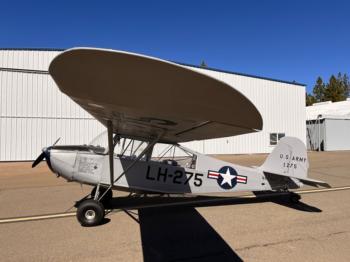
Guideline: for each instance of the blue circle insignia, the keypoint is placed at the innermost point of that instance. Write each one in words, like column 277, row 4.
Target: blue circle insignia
column 227, row 178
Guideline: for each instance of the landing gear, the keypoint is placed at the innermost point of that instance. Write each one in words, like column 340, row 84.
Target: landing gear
column 90, row 213
column 106, row 197
column 294, row 198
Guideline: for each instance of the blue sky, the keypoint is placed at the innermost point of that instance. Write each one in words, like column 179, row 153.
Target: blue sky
column 288, row 40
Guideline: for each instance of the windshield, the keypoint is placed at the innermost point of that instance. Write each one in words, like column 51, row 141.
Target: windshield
column 99, row 144
column 124, row 147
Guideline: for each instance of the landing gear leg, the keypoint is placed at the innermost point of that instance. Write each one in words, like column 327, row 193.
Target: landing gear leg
column 107, row 196
column 91, row 212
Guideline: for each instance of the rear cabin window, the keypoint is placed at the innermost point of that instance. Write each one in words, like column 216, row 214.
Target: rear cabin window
column 275, row 137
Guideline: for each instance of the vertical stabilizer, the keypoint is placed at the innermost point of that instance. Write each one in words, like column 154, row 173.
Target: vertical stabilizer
column 289, row 158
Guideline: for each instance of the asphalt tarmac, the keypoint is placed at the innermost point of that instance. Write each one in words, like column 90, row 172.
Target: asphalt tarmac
column 204, row 229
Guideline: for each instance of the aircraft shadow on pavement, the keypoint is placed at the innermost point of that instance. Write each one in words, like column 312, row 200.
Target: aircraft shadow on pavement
column 297, row 206
column 206, row 201
column 181, row 234
column 173, row 230
column 284, row 200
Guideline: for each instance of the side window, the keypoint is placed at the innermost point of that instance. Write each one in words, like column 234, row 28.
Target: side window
column 280, row 136
column 275, row 137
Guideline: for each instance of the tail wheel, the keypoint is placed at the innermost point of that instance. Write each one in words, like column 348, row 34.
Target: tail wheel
column 106, row 198
column 294, row 198
column 90, row 213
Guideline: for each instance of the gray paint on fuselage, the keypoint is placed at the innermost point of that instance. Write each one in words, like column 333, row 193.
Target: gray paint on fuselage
column 90, row 168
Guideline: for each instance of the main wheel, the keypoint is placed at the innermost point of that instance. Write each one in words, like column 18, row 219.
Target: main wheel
column 90, row 213
column 106, row 198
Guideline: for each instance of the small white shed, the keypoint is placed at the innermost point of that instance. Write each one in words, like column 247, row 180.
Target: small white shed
column 328, row 126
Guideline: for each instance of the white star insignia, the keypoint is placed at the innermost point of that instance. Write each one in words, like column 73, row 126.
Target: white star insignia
column 227, row 177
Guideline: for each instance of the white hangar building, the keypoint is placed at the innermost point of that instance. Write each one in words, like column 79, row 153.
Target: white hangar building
column 34, row 113
column 328, row 126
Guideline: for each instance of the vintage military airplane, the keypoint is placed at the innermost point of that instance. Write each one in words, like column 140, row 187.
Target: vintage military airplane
column 149, row 106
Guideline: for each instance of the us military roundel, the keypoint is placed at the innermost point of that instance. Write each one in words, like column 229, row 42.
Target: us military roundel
column 227, row 177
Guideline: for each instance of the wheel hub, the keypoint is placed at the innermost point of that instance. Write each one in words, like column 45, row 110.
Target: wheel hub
column 90, row 214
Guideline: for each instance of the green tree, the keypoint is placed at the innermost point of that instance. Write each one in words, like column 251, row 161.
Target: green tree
column 319, row 90
column 203, row 64
column 335, row 90
column 310, row 99
column 346, row 84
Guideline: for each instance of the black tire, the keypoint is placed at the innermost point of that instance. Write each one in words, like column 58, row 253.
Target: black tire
column 90, row 213
column 106, row 198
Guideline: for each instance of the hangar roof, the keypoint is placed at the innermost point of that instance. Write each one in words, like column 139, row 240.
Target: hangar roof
column 328, row 109
column 184, row 64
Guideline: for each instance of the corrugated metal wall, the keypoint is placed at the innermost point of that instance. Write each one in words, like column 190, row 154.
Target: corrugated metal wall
column 328, row 134
column 281, row 105
column 34, row 113
column 337, row 134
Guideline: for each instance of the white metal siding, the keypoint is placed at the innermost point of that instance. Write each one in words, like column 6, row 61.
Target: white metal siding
column 281, row 105
column 27, row 59
column 33, row 112
column 337, row 134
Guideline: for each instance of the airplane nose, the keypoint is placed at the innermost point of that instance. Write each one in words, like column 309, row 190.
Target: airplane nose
column 40, row 158
column 47, row 152
column 45, row 155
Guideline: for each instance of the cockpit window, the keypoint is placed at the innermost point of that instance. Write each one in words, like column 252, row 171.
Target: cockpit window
column 130, row 148
column 170, row 154
column 174, row 155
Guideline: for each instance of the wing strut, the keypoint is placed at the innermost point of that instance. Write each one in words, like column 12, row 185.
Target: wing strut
column 110, row 144
column 110, row 149
column 149, row 146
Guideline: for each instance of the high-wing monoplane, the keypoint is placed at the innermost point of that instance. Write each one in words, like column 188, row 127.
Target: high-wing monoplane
column 149, row 106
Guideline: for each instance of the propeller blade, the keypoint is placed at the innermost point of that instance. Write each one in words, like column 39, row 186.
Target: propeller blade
column 39, row 159
column 56, row 141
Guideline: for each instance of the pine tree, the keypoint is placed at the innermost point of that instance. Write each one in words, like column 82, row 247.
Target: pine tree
column 310, row 99
column 319, row 90
column 335, row 90
column 203, row 64
column 346, row 85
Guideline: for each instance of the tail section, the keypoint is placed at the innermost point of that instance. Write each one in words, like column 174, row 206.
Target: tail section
column 289, row 159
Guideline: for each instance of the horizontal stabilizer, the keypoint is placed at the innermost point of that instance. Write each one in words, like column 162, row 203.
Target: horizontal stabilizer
column 305, row 181
column 314, row 182
column 289, row 159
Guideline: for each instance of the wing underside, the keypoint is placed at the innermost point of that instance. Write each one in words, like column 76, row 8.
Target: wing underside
column 145, row 96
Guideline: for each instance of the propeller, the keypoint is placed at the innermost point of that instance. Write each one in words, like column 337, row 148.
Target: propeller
column 39, row 158
column 43, row 155
column 58, row 139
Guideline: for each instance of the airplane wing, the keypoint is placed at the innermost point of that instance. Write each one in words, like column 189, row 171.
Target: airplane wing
column 146, row 96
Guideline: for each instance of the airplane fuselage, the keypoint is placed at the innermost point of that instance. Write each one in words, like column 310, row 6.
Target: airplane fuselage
column 210, row 175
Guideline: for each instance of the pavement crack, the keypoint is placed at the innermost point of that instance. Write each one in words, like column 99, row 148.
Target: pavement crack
column 337, row 233
column 271, row 244
column 289, row 241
